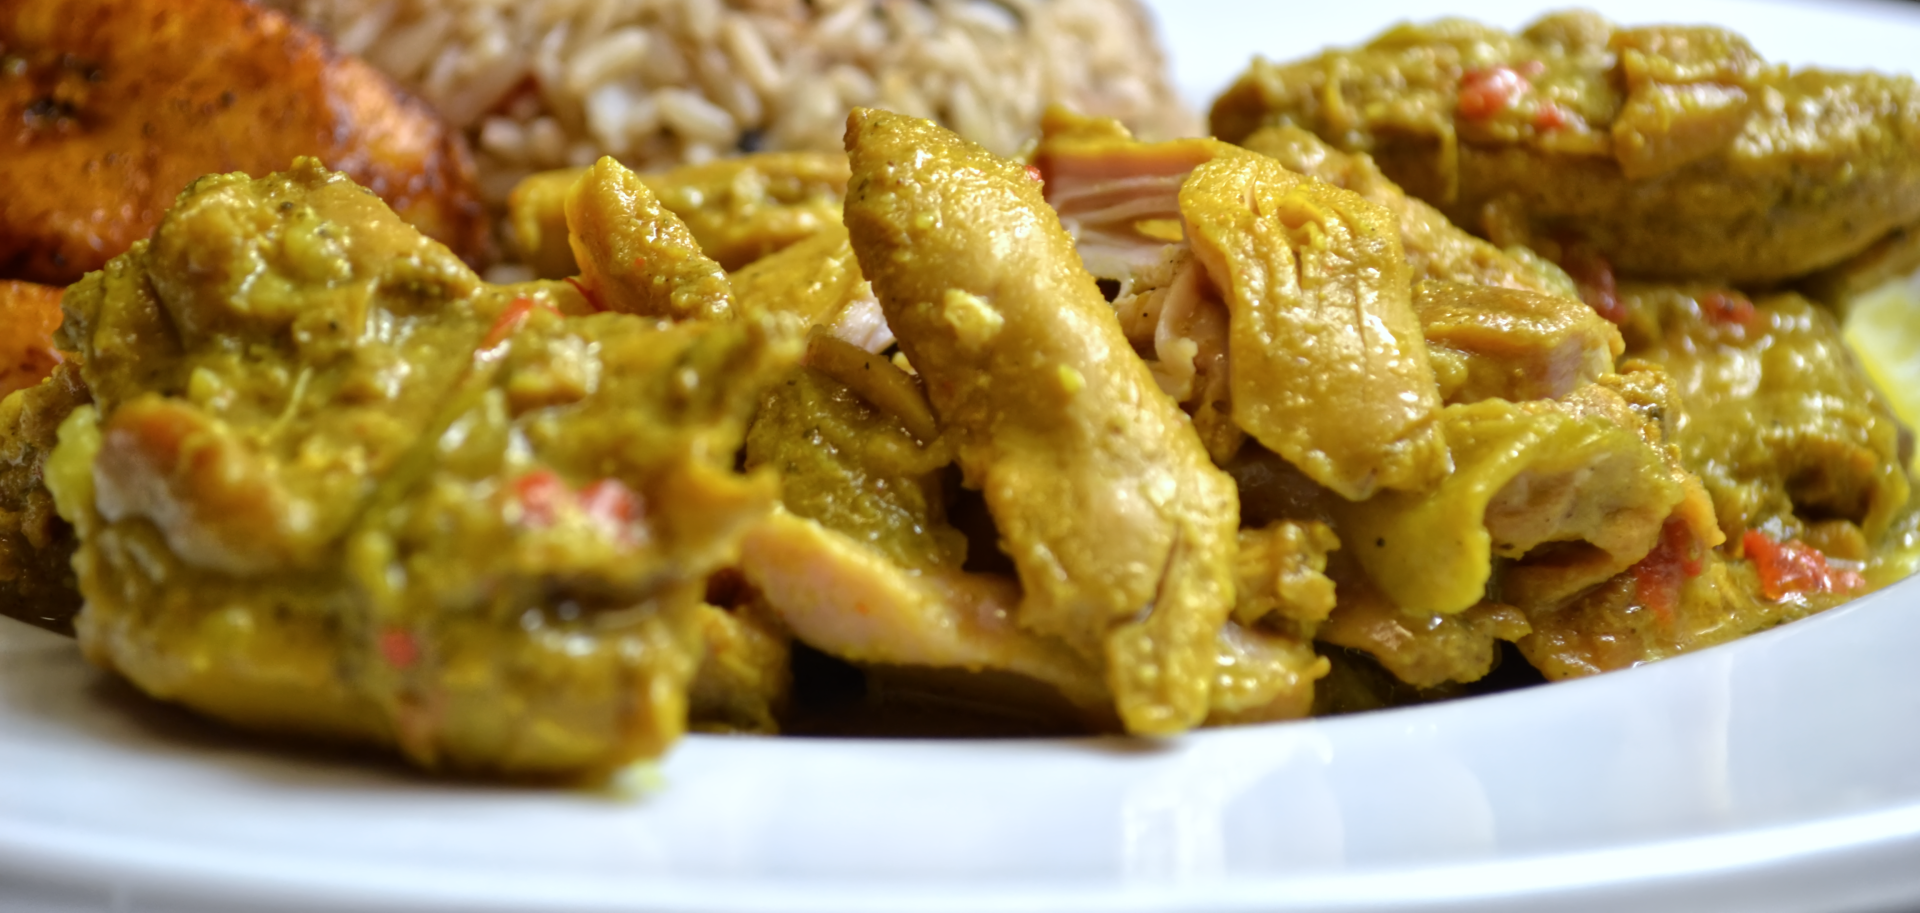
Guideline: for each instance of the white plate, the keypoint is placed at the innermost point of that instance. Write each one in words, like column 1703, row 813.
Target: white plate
column 1778, row 773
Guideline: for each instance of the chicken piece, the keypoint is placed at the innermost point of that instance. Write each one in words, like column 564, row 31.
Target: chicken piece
column 1425, row 650
column 1567, row 515
column 819, row 280
column 537, row 222
column 888, row 386
column 856, row 473
column 36, row 546
column 1421, row 655
column 1586, row 527
column 1118, row 198
column 1267, row 667
column 636, row 256
column 333, row 484
column 1280, row 574
column 1525, row 475
column 869, row 568
column 1623, row 623
column 28, row 316
column 1175, row 319
column 1685, row 594
column 1673, row 151
column 849, row 600
column 1414, row 655
column 1490, row 342
column 113, row 106
column 1119, row 525
column 1306, row 287
column 1120, row 201
column 1437, row 250
column 856, row 470
column 1327, row 363
column 1777, row 417
column 1262, row 677
column 746, row 680
column 739, row 209
column 1641, row 398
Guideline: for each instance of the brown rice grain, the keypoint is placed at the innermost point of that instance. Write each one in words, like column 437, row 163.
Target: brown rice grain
column 540, row 84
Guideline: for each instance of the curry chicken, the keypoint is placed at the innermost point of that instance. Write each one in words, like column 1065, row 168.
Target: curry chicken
column 1456, row 361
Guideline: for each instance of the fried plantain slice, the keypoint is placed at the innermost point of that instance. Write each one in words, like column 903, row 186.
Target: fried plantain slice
column 112, row 106
column 29, row 314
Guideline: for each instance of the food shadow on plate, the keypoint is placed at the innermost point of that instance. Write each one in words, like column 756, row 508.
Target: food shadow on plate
column 836, row 699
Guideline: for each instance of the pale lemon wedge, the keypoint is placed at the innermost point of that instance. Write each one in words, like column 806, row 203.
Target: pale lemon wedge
column 1883, row 327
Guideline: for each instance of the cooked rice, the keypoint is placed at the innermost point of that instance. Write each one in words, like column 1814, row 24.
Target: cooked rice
column 540, row 84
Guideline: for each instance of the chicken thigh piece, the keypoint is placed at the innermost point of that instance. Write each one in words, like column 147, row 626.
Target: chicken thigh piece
column 1262, row 295
column 1779, row 419
column 1121, row 529
column 333, row 484
column 1328, row 365
column 1672, row 151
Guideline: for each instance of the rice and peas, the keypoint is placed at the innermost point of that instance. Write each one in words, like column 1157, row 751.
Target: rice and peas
column 542, row 84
